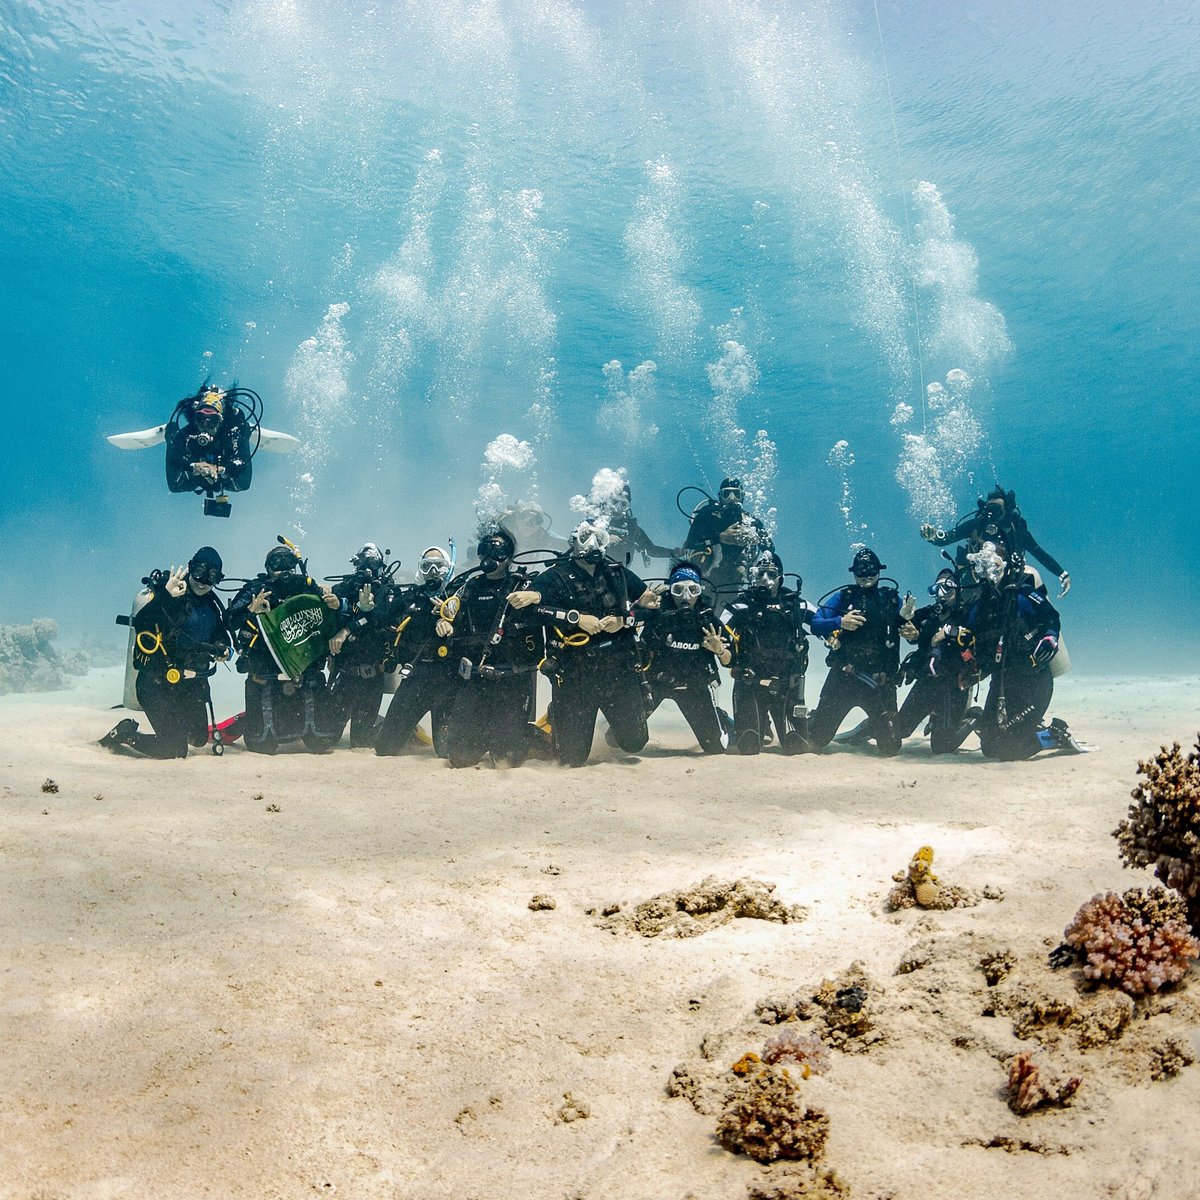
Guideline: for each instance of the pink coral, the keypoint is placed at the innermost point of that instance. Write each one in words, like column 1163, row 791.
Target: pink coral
column 807, row 1052
column 1028, row 1090
column 1138, row 941
column 1162, row 828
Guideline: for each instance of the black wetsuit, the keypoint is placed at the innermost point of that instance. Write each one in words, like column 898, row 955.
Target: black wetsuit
column 711, row 520
column 863, row 665
column 1009, row 622
column 356, row 673
column 184, row 635
column 278, row 710
column 679, row 668
column 978, row 527
column 770, row 660
column 429, row 671
column 501, row 647
column 593, row 674
column 942, row 677
column 230, row 447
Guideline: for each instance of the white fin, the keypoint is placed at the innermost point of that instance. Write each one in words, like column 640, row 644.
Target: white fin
column 276, row 443
column 140, row 440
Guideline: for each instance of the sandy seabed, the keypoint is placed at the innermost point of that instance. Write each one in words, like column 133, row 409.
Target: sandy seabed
column 251, row 977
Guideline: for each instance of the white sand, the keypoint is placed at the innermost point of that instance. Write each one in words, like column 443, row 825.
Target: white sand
column 202, row 997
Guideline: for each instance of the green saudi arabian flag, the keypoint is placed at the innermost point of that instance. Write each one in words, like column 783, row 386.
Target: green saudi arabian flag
column 297, row 632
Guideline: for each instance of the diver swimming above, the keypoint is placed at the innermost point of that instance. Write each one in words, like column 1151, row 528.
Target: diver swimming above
column 211, row 439
column 996, row 515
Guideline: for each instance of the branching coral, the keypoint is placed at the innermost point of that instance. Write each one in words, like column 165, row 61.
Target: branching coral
column 767, row 1119
column 1162, row 828
column 1138, row 941
column 1029, row 1091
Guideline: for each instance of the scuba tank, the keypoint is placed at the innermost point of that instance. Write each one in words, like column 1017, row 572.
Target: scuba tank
column 140, row 600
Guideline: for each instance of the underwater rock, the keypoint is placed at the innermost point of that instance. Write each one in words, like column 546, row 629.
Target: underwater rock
column 1138, row 941
column 766, row 1118
column 30, row 663
column 775, row 1010
column 1162, row 827
column 846, row 1005
column 1029, row 1089
column 692, row 911
column 1169, row 1057
column 800, row 1181
column 542, row 903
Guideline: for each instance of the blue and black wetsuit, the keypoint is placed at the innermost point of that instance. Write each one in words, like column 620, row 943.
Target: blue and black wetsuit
column 1011, row 623
column 863, row 665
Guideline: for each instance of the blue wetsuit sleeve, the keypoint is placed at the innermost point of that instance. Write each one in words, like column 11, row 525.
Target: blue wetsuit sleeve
column 828, row 617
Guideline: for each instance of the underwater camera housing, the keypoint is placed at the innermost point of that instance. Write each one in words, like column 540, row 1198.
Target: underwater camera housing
column 217, row 506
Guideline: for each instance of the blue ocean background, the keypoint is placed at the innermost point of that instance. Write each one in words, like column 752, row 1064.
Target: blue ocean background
column 416, row 227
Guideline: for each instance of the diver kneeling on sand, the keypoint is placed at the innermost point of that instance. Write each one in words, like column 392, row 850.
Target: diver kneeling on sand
column 1017, row 630
column 683, row 643
column 496, row 647
column 586, row 603
column 863, row 624
column 770, row 659
column 179, row 635
column 292, row 704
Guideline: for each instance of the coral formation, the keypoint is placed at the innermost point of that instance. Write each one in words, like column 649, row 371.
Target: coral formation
column 1169, row 1057
column 1162, row 828
column 801, row 1182
column 695, row 910
column 542, row 903
column 49, row 786
column 845, row 1001
column 766, row 1118
column 1138, row 941
column 807, row 1052
column 775, row 1010
column 1028, row 1090
column 917, row 886
column 30, row 663
column 995, row 965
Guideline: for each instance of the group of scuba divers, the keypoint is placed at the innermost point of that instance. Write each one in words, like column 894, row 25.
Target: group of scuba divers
column 466, row 648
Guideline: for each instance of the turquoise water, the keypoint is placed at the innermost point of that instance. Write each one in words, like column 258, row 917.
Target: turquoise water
column 416, row 227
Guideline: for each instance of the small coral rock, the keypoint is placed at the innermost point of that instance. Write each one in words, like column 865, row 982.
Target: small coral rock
column 695, row 910
column 542, row 903
column 767, row 1119
column 50, row 787
column 801, row 1182
column 1029, row 1090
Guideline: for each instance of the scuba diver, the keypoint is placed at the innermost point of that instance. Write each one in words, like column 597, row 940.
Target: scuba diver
column 724, row 525
column 211, row 439
column 625, row 534
column 862, row 625
column 1017, row 633
column 586, row 602
column 362, row 643
column 279, row 708
column 682, row 643
column 421, row 620
column 942, row 670
column 770, row 659
column 529, row 524
column 496, row 649
column 180, row 635
column 997, row 516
